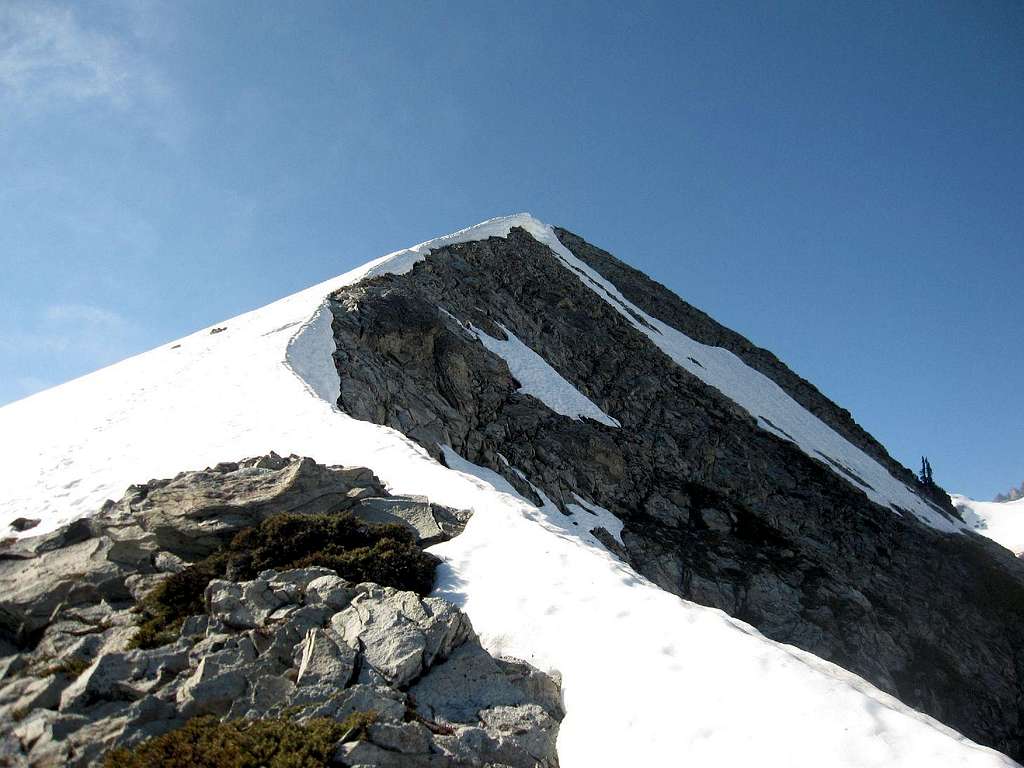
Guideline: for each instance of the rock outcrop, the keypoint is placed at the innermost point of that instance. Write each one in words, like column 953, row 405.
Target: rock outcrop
column 299, row 644
column 716, row 509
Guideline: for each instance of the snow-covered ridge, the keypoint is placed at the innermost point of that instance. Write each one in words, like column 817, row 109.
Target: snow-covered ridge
column 648, row 679
column 192, row 402
column 1001, row 521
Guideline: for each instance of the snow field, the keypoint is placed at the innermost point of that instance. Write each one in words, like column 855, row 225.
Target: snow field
column 1001, row 521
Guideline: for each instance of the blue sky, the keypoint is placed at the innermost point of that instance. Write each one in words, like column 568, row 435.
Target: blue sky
column 841, row 182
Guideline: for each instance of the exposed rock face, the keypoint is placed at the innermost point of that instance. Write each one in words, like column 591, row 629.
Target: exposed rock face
column 658, row 301
column 298, row 643
column 716, row 509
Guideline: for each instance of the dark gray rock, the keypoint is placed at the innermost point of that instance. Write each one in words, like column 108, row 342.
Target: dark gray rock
column 715, row 508
column 659, row 302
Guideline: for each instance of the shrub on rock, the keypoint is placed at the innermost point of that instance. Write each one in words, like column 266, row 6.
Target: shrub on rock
column 358, row 551
column 206, row 742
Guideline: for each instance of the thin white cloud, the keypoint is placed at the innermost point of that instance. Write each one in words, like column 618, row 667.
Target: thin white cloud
column 84, row 314
column 46, row 53
column 52, row 57
column 96, row 335
column 29, row 385
column 61, row 341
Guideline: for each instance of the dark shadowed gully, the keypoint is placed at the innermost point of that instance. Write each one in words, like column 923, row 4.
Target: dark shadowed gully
column 716, row 509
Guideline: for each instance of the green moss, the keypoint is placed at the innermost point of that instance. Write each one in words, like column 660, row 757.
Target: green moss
column 48, row 665
column 358, row 551
column 72, row 667
column 205, row 742
column 177, row 597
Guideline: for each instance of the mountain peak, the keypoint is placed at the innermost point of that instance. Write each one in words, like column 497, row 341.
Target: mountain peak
column 715, row 559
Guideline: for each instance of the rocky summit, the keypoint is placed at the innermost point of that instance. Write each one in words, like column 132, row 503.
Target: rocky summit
column 528, row 508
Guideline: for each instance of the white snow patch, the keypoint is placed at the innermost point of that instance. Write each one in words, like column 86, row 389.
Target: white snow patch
column 305, row 356
column 648, row 678
column 536, row 377
column 1001, row 521
column 593, row 516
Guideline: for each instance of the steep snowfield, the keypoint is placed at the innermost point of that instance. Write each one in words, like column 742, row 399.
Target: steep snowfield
column 1001, row 521
column 649, row 679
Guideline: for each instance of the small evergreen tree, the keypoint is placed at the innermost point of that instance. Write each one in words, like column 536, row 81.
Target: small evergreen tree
column 926, row 471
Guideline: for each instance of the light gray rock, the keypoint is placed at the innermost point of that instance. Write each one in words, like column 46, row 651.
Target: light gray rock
column 224, row 603
column 521, row 735
column 366, row 753
column 290, row 586
column 400, row 635
column 194, row 513
column 210, row 690
column 322, row 660
column 167, row 562
column 445, row 628
column 537, row 687
column 269, row 693
column 407, row 738
column 42, row 693
column 467, row 682
column 110, row 678
column 11, row 665
column 261, row 599
column 411, row 512
column 331, row 591
column 195, row 626
column 79, row 574
column 391, row 640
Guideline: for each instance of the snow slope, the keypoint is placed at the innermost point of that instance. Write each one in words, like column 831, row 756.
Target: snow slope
column 649, row 679
column 1001, row 521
